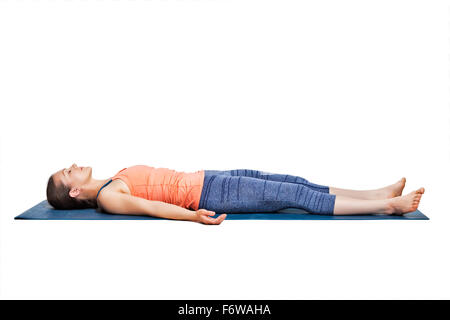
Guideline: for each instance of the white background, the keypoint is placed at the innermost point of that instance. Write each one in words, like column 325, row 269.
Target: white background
column 351, row 94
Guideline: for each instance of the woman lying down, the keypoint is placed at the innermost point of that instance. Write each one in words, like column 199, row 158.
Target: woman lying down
column 197, row 196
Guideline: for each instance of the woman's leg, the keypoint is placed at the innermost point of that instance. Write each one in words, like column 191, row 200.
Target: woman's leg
column 233, row 194
column 397, row 206
column 390, row 191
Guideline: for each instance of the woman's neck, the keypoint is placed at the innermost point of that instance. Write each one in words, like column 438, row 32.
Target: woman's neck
column 91, row 190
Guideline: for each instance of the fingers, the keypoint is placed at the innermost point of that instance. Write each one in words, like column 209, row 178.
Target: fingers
column 207, row 212
column 218, row 220
column 205, row 219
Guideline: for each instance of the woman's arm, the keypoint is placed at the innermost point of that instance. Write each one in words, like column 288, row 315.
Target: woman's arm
column 122, row 203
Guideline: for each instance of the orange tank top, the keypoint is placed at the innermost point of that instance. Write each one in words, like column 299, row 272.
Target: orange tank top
column 161, row 184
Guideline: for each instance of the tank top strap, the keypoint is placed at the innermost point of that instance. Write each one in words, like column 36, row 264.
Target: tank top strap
column 110, row 180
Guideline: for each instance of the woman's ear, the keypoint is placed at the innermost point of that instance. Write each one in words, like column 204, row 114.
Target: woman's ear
column 74, row 192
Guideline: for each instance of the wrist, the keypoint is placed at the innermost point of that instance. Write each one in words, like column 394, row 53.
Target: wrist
column 194, row 217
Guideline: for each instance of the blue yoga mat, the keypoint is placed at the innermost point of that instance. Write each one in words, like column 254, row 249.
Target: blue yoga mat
column 43, row 211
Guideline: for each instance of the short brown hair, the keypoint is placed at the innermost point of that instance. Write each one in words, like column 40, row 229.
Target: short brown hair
column 58, row 196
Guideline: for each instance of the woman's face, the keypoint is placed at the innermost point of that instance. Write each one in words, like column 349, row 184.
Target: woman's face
column 74, row 176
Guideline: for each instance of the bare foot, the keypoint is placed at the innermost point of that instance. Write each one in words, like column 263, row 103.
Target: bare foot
column 392, row 191
column 406, row 203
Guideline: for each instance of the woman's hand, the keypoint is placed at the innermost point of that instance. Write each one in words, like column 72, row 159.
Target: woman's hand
column 203, row 217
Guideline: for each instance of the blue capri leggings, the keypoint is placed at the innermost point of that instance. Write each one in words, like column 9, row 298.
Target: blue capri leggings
column 245, row 190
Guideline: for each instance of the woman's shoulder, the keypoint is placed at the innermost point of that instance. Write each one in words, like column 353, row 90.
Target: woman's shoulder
column 115, row 187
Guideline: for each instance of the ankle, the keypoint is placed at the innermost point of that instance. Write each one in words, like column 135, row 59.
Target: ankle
column 379, row 194
column 388, row 207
